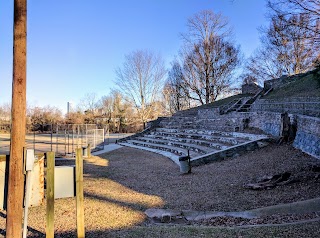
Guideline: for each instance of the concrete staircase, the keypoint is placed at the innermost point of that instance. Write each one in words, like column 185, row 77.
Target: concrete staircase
column 242, row 104
column 245, row 107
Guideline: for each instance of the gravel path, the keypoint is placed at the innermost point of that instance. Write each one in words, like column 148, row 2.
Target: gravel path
column 119, row 186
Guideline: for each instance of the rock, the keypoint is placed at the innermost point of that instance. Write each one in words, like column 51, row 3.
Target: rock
column 262, row 144
column 163, row 215
column 268, row 182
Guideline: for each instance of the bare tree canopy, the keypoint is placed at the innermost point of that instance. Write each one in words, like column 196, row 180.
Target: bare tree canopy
column 140, row 80
column 204, row 25
column 174, row 90
column 5, row 112
column 89, row 102
column 40, row 116
column 208, row 57
column 290, row 44
column 119, row 113
column 309, row 9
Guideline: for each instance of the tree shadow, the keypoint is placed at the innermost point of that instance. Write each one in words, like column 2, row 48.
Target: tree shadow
column 109, row 205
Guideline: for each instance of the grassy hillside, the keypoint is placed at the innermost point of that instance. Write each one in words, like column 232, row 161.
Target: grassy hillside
column 221, row 102
column 306, row 85
column 302, row 85
column 227, row 100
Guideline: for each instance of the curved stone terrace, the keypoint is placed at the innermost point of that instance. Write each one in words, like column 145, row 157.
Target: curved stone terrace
column 203, row 146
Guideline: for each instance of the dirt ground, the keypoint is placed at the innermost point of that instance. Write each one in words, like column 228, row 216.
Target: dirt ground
column 120, row 185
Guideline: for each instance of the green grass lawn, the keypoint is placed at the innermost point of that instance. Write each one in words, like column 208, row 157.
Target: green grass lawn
column 224, row 101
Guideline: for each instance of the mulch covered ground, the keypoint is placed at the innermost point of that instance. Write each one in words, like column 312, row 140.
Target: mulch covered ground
column 119, row 186
column 218, row 186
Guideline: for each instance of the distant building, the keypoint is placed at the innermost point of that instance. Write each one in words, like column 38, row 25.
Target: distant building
column 69, row 107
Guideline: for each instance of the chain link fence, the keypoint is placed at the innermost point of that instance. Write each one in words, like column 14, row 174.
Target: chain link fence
column 63, row 139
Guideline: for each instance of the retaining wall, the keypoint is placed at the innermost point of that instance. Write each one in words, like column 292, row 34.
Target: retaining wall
column 308, row 135
column 269, row 122
column 298, row 105
column 308, row 129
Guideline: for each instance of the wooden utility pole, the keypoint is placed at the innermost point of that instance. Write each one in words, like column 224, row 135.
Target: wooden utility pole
column 18, row 123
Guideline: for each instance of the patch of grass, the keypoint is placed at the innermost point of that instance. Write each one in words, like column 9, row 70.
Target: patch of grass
column 223, row 101
column 306, row 85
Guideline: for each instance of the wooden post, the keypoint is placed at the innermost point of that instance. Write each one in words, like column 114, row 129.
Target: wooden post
column 51, row 136
column 57, row 138
column 79, row 193
column 68, row 140
column 65, row 141
column 34, row 140
column 50, row 157
column 89, row 150
column 72, row 147
column 18, row 126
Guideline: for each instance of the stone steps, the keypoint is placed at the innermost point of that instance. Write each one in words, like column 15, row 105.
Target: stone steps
column 172, row 149
column 245, row 136
column 202, row 145
column 206, row 135
column 201, row 139
column 180, row 144
column 196, row 139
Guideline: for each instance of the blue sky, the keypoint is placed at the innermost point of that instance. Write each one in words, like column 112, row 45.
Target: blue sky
column 74, row 46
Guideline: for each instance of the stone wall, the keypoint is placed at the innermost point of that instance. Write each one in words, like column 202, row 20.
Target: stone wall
column 250, row 88
column 268, row 122
column 208, row 113
column 308, row 129
column 308, row 135
column 296, row 105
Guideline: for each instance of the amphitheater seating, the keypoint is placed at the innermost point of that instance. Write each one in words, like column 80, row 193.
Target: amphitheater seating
column 204, row 139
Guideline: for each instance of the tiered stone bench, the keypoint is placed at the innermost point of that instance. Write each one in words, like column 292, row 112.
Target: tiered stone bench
column 203, row 146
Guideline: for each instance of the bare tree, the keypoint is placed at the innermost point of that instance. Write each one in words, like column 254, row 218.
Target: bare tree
column 174, row 91
column 41, row 116
column 204, row 25
column 5, row 112
column 248, row 79
column 89, row 102
column 209, row 58
column 75, row 117
column 287, row 47
column 309, row 9
column 140, row 80
column 117, row 111
column 89, row 106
